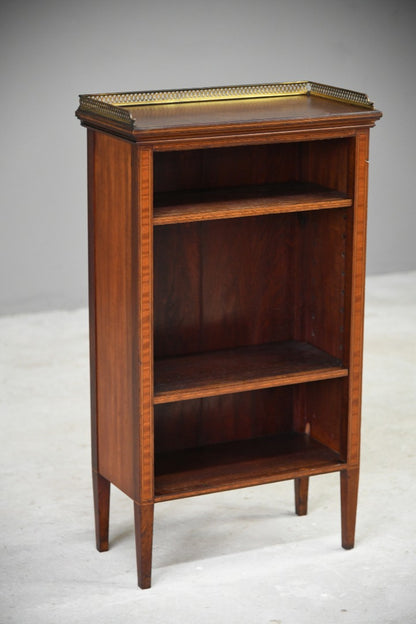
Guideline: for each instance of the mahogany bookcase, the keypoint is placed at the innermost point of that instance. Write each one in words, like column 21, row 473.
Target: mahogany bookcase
column 227, row 233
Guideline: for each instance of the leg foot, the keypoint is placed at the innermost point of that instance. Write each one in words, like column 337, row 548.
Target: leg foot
column 143, row 522
column 101, row 488
column 349, row 495
column 301, row 495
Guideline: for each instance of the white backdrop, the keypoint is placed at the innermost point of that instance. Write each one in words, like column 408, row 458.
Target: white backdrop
column 52, row 50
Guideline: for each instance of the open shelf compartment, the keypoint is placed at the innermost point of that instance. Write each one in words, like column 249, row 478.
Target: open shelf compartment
column 241, row 463
column 251, row 334
column 243, row 181
column 250, row 437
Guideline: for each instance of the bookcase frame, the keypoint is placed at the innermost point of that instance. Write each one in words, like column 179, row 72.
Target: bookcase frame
column 226, row 271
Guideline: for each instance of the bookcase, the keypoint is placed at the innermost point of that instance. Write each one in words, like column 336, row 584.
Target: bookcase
column 226, row 269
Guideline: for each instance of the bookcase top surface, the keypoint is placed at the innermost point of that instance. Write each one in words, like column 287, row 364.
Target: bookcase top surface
column 237, row 106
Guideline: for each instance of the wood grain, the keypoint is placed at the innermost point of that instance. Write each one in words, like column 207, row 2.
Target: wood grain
column 212, row 286
column 356, row 288
column 245, row 201
column 220, row 123
column 237, row 113
column 226, row 351
column 142, row 288
column 301, row 495
column 223, row 418
column 240, row 464
column 112, row 249
column 92, row 300
column 349, row 494
column 101, row 491
column 245, row 368
column 143, row 527
column 321, row 257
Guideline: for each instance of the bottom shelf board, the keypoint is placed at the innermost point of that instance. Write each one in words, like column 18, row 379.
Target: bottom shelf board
column 231, row 465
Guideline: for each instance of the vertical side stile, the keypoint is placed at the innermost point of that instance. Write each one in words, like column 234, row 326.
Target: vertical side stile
column 100, row 485
column 350, row 476
column 143, row 299
column 359, row 232
column 92, row 296
column 142, row 351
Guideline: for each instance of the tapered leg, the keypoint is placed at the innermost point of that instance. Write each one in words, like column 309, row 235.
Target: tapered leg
column 301, row 495
column 101, row 488
column 143, row 522
column 349, row 495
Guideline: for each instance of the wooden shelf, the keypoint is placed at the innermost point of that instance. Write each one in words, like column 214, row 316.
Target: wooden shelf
column 245, row 368
column 244, row 201
column 242, row 463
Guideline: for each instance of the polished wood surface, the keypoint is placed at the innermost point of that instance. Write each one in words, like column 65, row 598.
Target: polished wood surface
column 226, row 271
column 244, row 202
column 237, row 117
column 301, row 495
column 111, row 303
column 244, row 368
column 349, row 494
column 223, row 418
column 213, row 288
column 101, row 491
column 240, row 463
column 142, row 346
column 245, row 112
column 143, row 526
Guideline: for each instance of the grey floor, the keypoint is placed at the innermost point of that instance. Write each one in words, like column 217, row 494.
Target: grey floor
column 238, row 557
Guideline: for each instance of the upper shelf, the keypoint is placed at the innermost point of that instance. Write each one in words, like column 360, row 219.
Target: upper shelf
column 244, row 201
column 164, row 115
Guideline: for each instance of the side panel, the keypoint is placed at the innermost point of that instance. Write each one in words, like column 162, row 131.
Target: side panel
column 112, row 307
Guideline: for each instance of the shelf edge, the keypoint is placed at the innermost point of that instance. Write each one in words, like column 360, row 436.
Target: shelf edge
column 235, row 213
column 200, row 392
column 237, row 485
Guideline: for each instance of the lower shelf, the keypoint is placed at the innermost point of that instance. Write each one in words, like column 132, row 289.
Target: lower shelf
column 243, row 463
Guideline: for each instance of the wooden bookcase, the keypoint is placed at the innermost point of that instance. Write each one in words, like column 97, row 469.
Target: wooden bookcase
column 227, row 259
